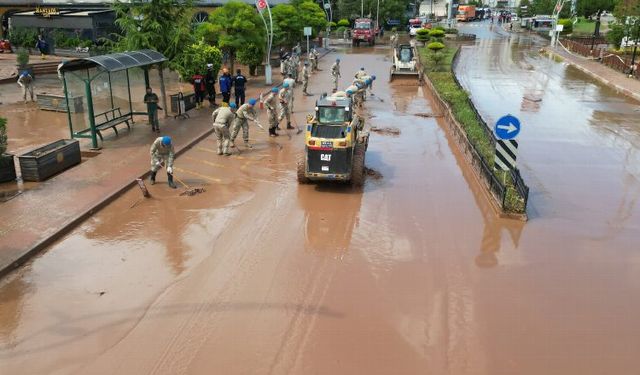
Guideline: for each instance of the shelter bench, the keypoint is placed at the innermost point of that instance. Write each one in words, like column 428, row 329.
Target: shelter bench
column 110, row 119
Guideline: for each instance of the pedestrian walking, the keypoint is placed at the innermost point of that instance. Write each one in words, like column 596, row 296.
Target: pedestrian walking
column 239, row 84
column 335, row 73
column 43, row 47
column 225, row 85
column 162, row 154
column 316, row 56
column 270, row 104
column 25, row 81
column 312, row 60
column 199, row 88
column 222, row 120
column 345, row 35
column 306, row 74
column 151, row 99
column 210, row 84
column 292, row 84
column 245, row 113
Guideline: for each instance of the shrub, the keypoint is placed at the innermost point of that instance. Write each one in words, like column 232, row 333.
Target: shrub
column 23, row 37
column 22, row 57
column 340, row 30
column 332, row 24
column 422, row 35
column 439, row 27
column 451, row 31
column 195, row 58
column 344, row 22
column 567, row 25
column 436, row 33
column 615, row 34
column 3, row 135
column 435, row 46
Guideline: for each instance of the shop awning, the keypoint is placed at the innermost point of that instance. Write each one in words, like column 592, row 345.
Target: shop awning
column 116, row 61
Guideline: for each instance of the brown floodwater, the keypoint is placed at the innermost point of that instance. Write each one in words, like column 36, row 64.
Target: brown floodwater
column 413, row 274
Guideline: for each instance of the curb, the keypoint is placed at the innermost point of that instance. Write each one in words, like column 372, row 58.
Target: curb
column 74, row 222
column 71, row 224
column 606, row 82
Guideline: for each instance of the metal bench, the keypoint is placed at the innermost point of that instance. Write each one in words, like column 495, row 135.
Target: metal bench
column 110, row 119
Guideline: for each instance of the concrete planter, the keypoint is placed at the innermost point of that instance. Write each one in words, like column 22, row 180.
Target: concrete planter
column 46, row 161
column 7, row 168
column 58, row 103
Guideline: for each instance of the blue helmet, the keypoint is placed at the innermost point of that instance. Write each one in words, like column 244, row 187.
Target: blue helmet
column 233, row 105
column 349, row 92
column 362, row 68
column 337, row 60
column 368, row 81
column 373, row 78
column 285, row 85
column 166, row 140
column 253, row 101
column 275, row 89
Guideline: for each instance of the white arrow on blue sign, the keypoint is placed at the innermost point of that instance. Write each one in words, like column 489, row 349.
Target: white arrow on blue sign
column 507, row 127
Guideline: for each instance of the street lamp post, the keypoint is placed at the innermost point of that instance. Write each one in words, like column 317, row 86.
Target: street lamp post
column 262, row 5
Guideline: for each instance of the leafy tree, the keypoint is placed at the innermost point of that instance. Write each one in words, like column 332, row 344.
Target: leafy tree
column 525, row 8
column 236, row 26
column 252, row 55
column 162, row 25
column 589, row 8
column 290, row 20
column 195, row 58
column 344, row 22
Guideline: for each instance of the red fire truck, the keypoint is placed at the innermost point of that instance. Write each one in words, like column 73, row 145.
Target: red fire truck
column 364, row 30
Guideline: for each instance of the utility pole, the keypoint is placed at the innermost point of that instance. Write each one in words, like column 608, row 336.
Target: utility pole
column 635, row 44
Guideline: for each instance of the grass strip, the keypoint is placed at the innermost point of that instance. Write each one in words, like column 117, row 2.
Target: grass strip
column 441, row 76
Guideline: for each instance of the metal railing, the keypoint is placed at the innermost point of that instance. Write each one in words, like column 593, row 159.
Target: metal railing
column 497, row 188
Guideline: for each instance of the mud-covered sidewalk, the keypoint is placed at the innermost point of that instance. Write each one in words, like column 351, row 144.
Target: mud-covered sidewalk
column 606, row 75
column 38, row 215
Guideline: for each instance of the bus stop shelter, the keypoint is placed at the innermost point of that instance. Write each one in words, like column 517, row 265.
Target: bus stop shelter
column 103, row 87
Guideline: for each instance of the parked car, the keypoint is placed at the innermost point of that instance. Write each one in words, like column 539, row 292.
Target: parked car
column 413, row 29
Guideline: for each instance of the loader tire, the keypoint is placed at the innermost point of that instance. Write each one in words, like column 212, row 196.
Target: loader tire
column 358, row 173
column 302, row 179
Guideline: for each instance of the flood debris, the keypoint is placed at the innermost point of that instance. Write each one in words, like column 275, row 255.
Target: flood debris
column 189, row 190
column 386, row 130
column 143, row 188
column 427, row 115
column 372, row 173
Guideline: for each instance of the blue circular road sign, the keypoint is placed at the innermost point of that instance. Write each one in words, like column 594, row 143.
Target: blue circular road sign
column 507, row 127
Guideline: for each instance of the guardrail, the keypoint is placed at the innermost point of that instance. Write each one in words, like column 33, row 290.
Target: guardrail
column 613, row 61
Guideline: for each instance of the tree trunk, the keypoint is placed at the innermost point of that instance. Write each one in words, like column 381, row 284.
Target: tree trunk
column 163, row 92
column 232, row 60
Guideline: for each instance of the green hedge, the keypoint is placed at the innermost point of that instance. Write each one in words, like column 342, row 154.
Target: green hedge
column 445, row 84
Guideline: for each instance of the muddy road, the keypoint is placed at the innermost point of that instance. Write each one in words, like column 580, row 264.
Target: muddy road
column 413, row 274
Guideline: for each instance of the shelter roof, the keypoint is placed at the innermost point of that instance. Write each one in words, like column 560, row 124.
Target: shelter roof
column 116, row 61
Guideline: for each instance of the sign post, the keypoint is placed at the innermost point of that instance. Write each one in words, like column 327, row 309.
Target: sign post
column 307, row 33
column 506, row 129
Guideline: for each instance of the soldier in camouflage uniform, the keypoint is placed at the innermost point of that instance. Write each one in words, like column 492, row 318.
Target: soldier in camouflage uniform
column 305, row 78
column 222, row 119
column 335, row 73
column 284, row 98
column 162, row 153
column 245, row 113
column 270, row 104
